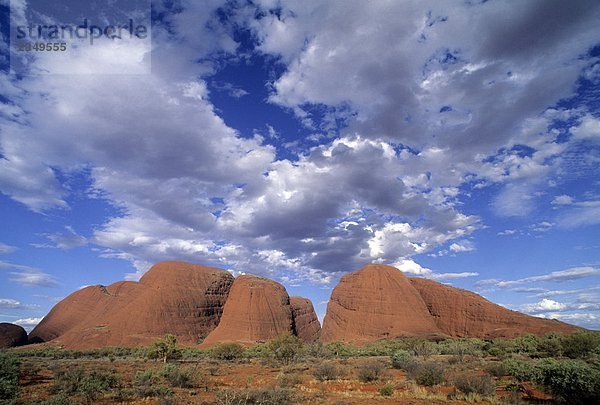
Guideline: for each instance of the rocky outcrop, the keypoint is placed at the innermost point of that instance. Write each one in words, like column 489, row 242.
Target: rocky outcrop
column 376, row 302
column 12, row 335
column 461, row 313
column 172, row 297
column 257, row 309
column 306, row 323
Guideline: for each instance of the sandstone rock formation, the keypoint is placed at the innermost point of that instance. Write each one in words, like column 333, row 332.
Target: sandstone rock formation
column 461, row 313
column 257, row 309
column 306, row 323
column 376, row 302
column 379, row 302
column 172, row 297
column 12, row 335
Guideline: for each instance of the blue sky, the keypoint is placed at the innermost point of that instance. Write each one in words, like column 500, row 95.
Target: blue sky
column 301, row 140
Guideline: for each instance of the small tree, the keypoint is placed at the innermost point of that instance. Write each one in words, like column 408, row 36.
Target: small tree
column 286, row 348
column 165, row 349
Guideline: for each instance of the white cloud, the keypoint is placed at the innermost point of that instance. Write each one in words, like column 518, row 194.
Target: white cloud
column 8, row 303
column 544, row 305
column 28, row 323
column 411, row 267
column 573, row 273
column 562, row 199
column 4, row 248
column 28, row 276
column 65, row 241
column 427, row 117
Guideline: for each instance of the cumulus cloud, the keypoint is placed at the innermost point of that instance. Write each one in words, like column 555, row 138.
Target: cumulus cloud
column 28, row 323
column 411, row 267
column 544, row 305
column 562, row 199
column 426, row 91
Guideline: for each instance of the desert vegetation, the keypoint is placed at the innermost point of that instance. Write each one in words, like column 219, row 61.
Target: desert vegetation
column 529, row 369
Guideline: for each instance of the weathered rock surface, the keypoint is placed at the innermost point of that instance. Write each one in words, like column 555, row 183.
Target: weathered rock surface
column 172, row 297
column 461, row 313
column 12, row 335
column 257, row 309
column 306, row 323
column 376, row 302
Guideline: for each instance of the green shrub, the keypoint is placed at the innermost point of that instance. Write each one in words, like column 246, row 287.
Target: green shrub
column 165, row 349
column 177, row 377
column 318, row 350
column 499, row 347
column 288, row 380
column 421, row 347
column 60, row 399
column 387, row 390
column 370, row 371
column 9, row 376
column 496, row 368
column 145, row 384
column 227, row 351
column 340, row 349
column 523, row 371
column 572, row 381
column 286, row 348
column 263, row 396
column 326, row 372
column 580, row 344
column 526, row 344
column 428, row 373
column 460, row 348
column 402, row 359
column 550, row 345
column 73, row 380
column 478, row 384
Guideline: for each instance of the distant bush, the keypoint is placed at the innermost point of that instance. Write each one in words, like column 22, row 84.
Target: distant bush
column 478, row 384
column 165, row 349
column 370, row 371
column 387, row 390
column 427, row 373
column 9, row 376
column 288, row 380
column 177, row 376
column 580, row 344
column 146, row 384
column 340, row 349
column 263, row 396
column 526, row 344
column 326, row 372
column 496, row 368
column 523, row 370
column 74, row 380
column 402, row 359
column 286, row 348
column 421, row 347
column 318, row 350
column 550, row 345
column 460, row 348
column 499, row 347
column 227, row 351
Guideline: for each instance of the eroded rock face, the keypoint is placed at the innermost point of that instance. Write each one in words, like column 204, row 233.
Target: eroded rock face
column 306, row 323
column 376, row 302
column 257, row 310
column 461, row 313
column 12, row 335
column 172, row 297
